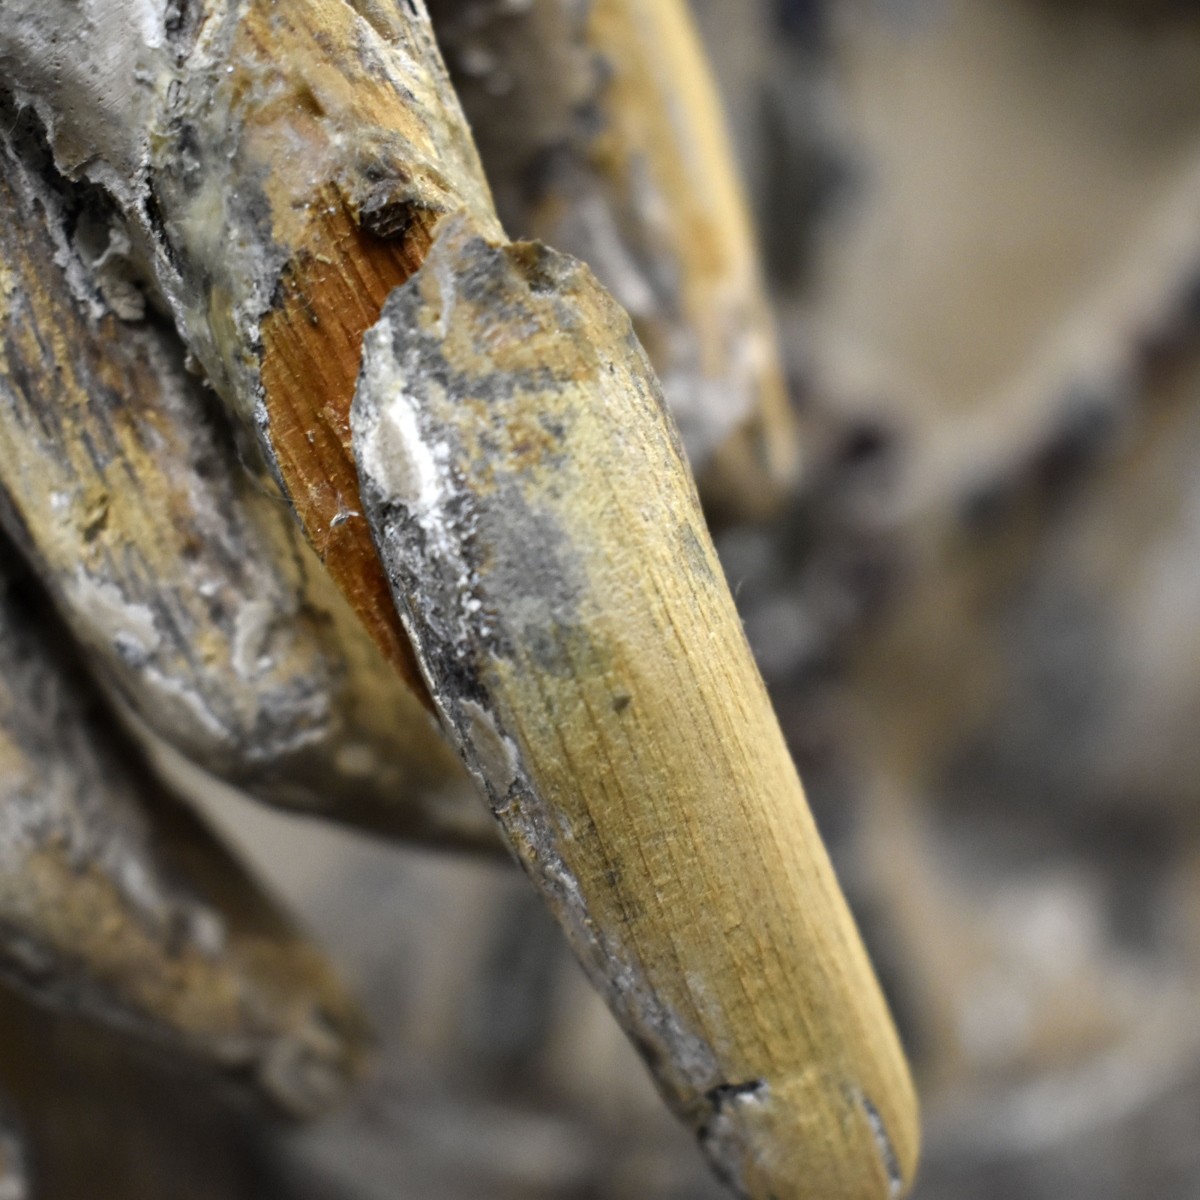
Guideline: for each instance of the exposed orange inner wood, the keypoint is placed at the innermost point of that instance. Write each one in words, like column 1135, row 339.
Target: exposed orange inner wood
column 331, row 293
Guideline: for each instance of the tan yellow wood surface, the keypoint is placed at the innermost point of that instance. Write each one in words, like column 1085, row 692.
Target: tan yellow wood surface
column 552, row 566
column 181, row 573
column 278, row 167
column 115, row 902
column 601, row 134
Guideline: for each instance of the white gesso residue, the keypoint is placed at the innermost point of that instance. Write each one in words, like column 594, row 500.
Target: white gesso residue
column 394, row 453
column 114, row 619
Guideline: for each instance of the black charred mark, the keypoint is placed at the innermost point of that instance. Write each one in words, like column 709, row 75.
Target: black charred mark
column 725, row 1093
column 326, row 44
column 388, row 208
column 621, row 702
column 720, row 1098
column 152, row 211
column 181, row 20
column 189, row 143
column 96, row 520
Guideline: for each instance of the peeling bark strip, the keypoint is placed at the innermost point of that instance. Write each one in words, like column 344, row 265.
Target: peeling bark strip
column 281, row 167
column 150, row 927
column 602, row 136
column 551, row 564
column 183, row 578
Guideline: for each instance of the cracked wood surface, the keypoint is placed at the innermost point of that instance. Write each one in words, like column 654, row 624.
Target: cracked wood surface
column 601, row 135
column 181, row 573
column 552, row 567
column 116, row 902
column 279, row 169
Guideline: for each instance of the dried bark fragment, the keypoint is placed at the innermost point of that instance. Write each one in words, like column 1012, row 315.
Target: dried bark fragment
column 116, row 902
column 552, row 567
column 601, row 135
column 179, row 572
column 281, row 168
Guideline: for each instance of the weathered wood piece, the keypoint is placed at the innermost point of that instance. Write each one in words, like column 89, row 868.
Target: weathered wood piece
column 116, row 902
column 602, row 136
column 183, row 575
column 280, row 168
column 551, row 564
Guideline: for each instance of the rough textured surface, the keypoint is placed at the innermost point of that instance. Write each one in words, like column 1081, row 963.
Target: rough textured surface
column 279, row 169
column 979, row 623
column 177, row 569
column 548, row 556
column 114, row 901
column 601, row 136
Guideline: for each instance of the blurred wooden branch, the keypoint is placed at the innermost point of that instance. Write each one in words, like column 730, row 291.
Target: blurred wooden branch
column 116, row 902
column 602, row 136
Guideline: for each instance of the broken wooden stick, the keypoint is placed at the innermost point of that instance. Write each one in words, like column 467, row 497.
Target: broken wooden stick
column 114, row 901
column 601, row 135
column 182, row 575
column 552, row 567
column 278, row 169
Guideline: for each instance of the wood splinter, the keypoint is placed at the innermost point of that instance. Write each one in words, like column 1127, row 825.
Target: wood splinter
column 549, row 560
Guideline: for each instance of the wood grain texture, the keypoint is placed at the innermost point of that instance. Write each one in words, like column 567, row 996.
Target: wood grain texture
column 181, row 573
column 279, row 167
column 601, row 135
column 550, row 560
column 115, row 902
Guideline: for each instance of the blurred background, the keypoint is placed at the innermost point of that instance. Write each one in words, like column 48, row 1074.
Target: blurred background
column 980, row 622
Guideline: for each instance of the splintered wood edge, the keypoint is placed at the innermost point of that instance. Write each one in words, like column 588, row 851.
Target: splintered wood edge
column 311, row 342
column 548, row 557
column 183, row 577
column 279, row 168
